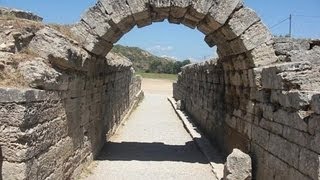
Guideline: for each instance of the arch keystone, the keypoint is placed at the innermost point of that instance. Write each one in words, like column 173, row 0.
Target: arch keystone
column 218, row 14
column 160, row 10
column 178, row 10
column 240, row 21
column 198, row 10
column 119, row 13
column 141, row 12
column 98, row 22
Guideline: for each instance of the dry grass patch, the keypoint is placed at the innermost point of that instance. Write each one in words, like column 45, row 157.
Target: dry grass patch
column 65, row 30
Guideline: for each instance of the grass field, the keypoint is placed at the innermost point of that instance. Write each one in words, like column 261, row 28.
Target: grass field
column 172, row 77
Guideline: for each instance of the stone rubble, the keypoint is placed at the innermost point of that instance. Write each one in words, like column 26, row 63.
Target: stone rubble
column 238, row 166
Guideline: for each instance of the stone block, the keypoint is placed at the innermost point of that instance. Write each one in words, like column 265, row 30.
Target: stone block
column 13, row 95
column 292, row 119
column 260, row 136
column 309, row 163
column 284, row 150
column 119, row 13
column 239, row 22
column 90, row 41
column 298, row 137
column 314, row 124
column 294, row 174
column 141, row 12
column 160, row 10
column 315, row 103
column 271, row 126
column 254, row 36
column 275, row 168
column 238, row 166
column 280, row 76
column 197, row 12
column 98, row 21
column 262, row 55
column 11, row 170
column 178, row 10
column 218, row 14
column 291, row 99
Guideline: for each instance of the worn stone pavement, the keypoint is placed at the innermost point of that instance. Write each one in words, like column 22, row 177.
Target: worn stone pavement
column 152, row 144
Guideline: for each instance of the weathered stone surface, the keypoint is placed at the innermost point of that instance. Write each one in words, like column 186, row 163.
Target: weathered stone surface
column 141, row 12
column 279, row 147
column 89, row 40
column 254, row 36
column 293, row 99
column 239, row 22
column 309, row 163
column 119, row 13
column 292, row 119
column 19, row 14
column 275, row 77
column 284, row 45
column 218, row 15
column 262, row 55
column 41, row 76
column 58, row 49
column 197, row 12
column 160, row 9
column 238, row 166
column 8, row 95
column 97, row 20
column 315, row 104
column 178, row 10
column 13, row 170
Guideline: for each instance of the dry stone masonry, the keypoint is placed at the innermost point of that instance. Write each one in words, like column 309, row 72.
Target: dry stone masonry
column 270, row 112
column 261, row 95
column 55, row 121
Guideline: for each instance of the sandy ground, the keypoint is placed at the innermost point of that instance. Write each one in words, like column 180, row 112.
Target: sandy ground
column 157, row 86
column 152, row 144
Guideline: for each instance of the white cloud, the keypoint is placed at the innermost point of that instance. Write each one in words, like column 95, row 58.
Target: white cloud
column 160, row 48
column 169, row 57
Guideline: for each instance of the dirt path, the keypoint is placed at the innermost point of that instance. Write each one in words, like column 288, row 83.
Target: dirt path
column 152, row 144
column 157, row 86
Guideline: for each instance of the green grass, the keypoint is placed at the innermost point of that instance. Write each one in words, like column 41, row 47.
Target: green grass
column 172, row 77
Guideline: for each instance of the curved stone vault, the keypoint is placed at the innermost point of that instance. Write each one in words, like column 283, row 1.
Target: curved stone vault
column 228, row 24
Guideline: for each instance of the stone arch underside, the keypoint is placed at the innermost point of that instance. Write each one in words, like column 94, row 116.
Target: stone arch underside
column 233, row 28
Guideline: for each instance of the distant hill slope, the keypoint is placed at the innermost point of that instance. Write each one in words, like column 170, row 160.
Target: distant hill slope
column 143, row 61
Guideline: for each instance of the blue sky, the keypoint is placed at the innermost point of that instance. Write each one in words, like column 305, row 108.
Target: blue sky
column 178, row 41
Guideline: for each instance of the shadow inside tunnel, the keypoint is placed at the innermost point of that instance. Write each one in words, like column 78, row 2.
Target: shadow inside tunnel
column 1, row 160
column 140, row 151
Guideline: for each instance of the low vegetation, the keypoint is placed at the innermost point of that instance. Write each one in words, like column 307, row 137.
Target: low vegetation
column 146, row 62
column 172, row 77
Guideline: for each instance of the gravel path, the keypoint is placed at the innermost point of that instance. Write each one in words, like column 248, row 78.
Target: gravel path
column 151, row 145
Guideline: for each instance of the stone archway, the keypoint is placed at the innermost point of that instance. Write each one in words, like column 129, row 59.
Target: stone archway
column 248, row 99
column 243, row 44
column 228, row 24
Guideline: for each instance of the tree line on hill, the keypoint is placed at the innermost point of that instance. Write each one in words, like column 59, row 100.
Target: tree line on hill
column 144, row 61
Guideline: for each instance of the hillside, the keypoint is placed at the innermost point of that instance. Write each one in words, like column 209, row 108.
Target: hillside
column 144, row 61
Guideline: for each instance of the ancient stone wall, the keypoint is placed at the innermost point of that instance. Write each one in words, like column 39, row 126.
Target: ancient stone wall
column 58, row 103
column 273, row 115
column 50, row 134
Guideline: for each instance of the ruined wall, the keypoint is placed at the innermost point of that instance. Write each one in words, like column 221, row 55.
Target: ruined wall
column 273, row 116
column 58, row 103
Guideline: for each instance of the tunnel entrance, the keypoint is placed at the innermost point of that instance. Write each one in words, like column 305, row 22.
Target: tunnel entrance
column 258, row 96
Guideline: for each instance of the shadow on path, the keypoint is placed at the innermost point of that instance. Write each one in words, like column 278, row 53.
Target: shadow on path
column 139, row 151
column 1, row 160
